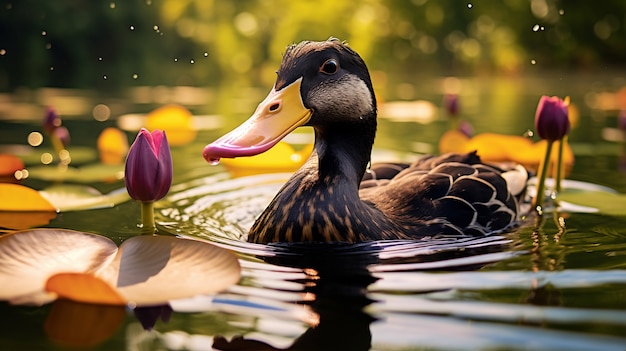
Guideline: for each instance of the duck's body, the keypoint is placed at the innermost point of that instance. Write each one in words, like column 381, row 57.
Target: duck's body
column 327, row 199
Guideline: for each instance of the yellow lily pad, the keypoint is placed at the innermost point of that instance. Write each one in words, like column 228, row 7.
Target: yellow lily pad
column 15, row 197
column 176, row 121
column 280, row 158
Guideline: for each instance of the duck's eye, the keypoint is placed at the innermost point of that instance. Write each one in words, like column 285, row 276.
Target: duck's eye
column 330, row 66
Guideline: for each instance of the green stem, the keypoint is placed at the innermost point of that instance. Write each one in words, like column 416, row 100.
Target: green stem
column 559, row 165
column 541, row 185
column 147, row 218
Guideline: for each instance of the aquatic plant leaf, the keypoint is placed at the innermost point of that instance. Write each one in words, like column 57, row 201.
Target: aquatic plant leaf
column 82, row 325
column 73, row 197
column 15, row 197
column 605, row 202
column 38, row 265
column 28, row 258
column 177, row 122
column 13, row 220
column 151, row 270
column 32, row 156
column 97, row 172
column 83, row 287
column 281, row 158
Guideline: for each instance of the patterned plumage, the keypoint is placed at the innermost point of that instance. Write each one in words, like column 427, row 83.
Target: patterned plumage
column 333, row 197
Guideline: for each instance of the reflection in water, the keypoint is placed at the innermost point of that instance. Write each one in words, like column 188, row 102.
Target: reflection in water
column 501, row 291
column 77, row 324
column 338, row 282
column 149, row 315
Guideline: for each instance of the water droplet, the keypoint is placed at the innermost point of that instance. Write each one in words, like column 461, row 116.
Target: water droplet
column 135, row 76
column 535, row 27
column 52, row 68
column 192, row 61
column 99, row 58
column 156, row 28
column 206, row 54
column 533, row 61
column 529, row 134
column 214, row 161
column 469, row 6
column 43, row 33
column 104, row 77
column 175, row 60
column 132, row 27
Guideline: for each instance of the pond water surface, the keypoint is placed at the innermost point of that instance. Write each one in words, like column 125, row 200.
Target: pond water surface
column 541, row 287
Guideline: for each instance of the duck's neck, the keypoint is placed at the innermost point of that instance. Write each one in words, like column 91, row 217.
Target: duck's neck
column 321, row 201
column 343, row 153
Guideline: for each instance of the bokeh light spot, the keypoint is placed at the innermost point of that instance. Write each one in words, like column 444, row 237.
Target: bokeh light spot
column 35, row 139
column 101, row 112
column 46, row 158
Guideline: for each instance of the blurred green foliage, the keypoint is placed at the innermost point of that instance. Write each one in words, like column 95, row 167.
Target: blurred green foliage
column 109, row 45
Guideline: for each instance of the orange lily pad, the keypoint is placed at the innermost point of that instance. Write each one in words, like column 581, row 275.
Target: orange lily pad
column 83, row 287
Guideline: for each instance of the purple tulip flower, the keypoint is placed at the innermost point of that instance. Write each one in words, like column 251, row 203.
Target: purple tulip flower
column 551, row 119
column 51, row 121
column 148, row 173
column 451, row 103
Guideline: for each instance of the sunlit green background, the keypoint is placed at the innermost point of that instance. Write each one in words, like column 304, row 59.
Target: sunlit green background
column 110, row 45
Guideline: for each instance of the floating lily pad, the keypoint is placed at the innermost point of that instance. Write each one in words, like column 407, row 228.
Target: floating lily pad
column 605, row 202
column 98, row 172
column 74, row 197
column 40, row 265
column 32, row 156
column 15, row 197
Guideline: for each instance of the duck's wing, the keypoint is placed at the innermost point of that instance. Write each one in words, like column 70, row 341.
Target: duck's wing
column 451, row 193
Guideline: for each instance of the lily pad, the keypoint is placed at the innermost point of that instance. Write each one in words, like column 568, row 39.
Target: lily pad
column 15, row 197
column 144, row 271
column 605, row 202
column 73, row 197
column 98, row 172
column 32, row 156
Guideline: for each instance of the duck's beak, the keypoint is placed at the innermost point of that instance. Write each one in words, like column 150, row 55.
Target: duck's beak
column 279, row 114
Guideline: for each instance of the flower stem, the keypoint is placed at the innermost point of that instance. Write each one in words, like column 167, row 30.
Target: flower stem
column 147, row 218
column 559, row 165
column 541, row 185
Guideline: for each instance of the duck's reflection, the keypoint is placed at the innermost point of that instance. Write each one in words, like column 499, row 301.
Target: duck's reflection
column 338, row 281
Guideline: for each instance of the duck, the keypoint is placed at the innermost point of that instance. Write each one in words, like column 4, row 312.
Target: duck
column 337, row 195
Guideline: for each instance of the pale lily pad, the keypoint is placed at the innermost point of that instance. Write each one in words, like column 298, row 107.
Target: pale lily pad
column 73, row 197
column 39, row 265
column 605, row 202
column 29, row 258
column 98, row 172
column 151, row 270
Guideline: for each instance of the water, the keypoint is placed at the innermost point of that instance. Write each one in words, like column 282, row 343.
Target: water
column 539, row 287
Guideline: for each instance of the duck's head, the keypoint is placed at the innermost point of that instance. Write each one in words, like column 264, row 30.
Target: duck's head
column 325, row 85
